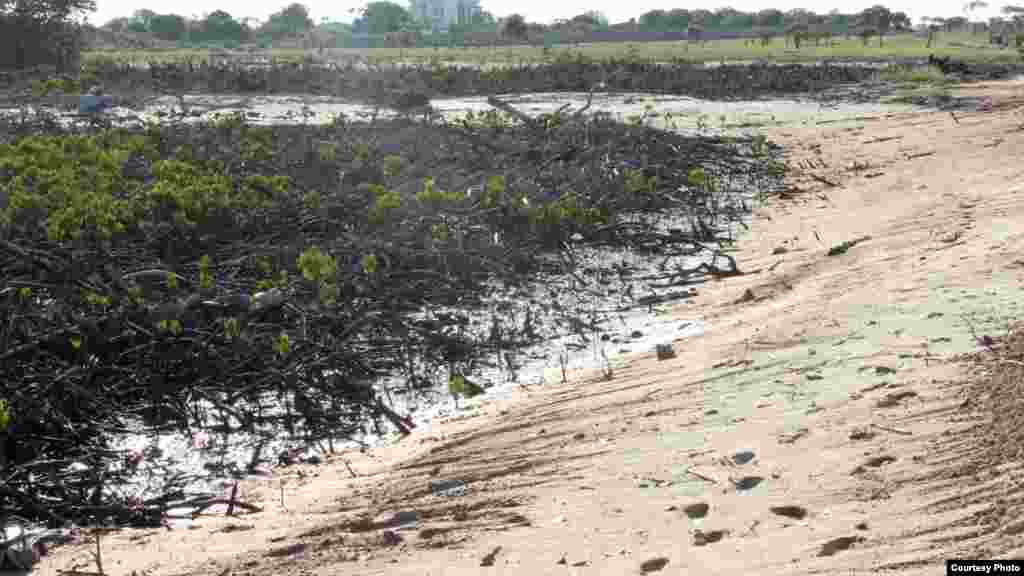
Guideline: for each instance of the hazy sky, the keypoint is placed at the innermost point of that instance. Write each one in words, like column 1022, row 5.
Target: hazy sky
column 533, row 10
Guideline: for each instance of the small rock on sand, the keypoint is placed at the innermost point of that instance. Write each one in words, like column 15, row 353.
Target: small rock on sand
column 394, row 519
column 861, row 434
column 895, row 398
column 747, row 482
column 704, row 538
column 837, row 545
column 653, row 565
column 796, row 512
column 697, row 510
column 488, row 560
column 743, row 457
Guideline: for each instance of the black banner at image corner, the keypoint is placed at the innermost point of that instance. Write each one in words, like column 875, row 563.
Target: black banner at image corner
column 994, row 567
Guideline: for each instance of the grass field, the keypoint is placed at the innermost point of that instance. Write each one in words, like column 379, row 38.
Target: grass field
column 971, row 48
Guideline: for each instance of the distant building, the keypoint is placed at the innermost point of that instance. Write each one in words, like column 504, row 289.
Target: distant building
column 439, row 14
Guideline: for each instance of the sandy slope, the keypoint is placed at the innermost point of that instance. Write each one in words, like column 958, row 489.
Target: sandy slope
column 839, row 373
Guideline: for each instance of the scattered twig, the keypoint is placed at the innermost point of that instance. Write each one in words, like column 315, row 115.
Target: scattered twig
column 842, row 248
column 488, row 560
column 98, row 554
column 893, row 430
column 231, row 501
column 404, row 425
column 590, row 98
column 349, row 468
column 206, row 504
column 701, row 476
column 823, row 180
column 508, row 109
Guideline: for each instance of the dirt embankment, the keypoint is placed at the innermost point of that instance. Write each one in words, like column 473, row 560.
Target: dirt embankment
column 823, row 423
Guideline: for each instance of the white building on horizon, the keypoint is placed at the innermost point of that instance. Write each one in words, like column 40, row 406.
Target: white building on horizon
column 439, row 14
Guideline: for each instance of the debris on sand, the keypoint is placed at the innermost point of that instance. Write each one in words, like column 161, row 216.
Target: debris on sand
column 653, row 565
column 878, row 461
column 748, row 296
column 665, row 351
column 795, row 512
column 697, row 510
column 836, row 545
column 395, row 519
column 862, row 434
column 742, row 457
column 704, row 538
column 842, row 248
column 791, row 438
column 289, row 550
column 747, row 482
column 895, row 398
column 447, row 487
column 488, row 560
column 390, row 538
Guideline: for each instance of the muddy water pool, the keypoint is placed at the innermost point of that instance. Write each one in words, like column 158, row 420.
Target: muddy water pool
column 688, row 115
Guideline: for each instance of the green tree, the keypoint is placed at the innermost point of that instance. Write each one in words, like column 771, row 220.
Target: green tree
column 290, row 21
column 42, row 32
column 654, row 20
column 838, row 22
column 799, row 16
column 769, row 18
column 514, row 27
column 900, row 21
column 168, row 27
column 45, row 10
column 116, row 25
column 484, row 21
column 702, row 18
column 736, row 20
column 596, row 18
column 879, row 18
column 679, row 19
column 933, row 25
column 139, row 21
column 384, row 17
column 972, row 7
column 219, row 26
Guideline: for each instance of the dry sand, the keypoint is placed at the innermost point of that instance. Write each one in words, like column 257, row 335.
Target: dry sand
column 844, row 375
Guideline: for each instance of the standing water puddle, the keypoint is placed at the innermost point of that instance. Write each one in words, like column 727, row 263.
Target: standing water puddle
column 681, row 113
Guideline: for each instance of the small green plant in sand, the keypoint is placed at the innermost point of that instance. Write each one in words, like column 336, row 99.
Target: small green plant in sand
column 914, row 75
column 926, row 94
column 459, row 385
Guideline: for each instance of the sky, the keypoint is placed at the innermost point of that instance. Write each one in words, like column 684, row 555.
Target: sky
column 534, row 10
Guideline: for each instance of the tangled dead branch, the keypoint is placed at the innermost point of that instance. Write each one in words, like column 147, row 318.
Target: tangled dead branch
column 223, row 279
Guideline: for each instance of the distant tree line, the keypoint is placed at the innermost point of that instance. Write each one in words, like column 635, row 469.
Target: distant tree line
column 217, row 27
column 395, row 24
